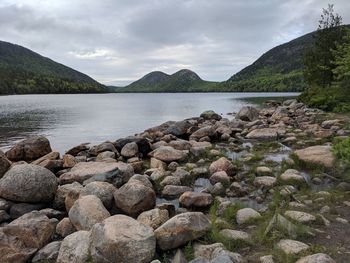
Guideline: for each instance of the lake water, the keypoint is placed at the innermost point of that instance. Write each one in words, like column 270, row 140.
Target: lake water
column 68, row 120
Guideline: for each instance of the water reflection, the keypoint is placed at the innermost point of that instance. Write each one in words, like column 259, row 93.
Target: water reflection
column 68, row 120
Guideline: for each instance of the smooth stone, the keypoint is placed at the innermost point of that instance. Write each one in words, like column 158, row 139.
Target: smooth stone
column 293, row 247
column 317, row 155
column 195, row 199
column 246, row 214
column 301, row 217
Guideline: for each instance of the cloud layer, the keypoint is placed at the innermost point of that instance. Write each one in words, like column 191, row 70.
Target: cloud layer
column 117, row 42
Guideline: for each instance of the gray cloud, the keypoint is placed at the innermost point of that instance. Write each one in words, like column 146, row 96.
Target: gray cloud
column 118, row 41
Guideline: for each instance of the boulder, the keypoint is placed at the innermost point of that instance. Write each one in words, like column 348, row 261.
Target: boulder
column 181, row 229
column 130, row 150
column 222, row 164
column 103, row 190
column 65, row 227
column 168, row 154
column 103, row 147
column 219, row 177
column 263, row 170
column 246, row 215
column 69, row 161
column 301, row 217
column 63, row 191
column 134, row 197
column 75, row 248
column 28, row 183
column 21, row 238
column 122, row 239
column 235, row 235
column 264, row 134
column 77, row 149
column 29, row 149
column 87, row 211
column 210, row 115
column 48, row 254
column 178, row 128
column 19, row 209
column 112, row 172
column 292, row 175
column 195, row 199
column 206, row 131
column 154, row 218
column 247, row 113
column 265, row 181
column 317, row 155
column 292, row 247
column 48, row 157
column 316, row 258
column 5, row 164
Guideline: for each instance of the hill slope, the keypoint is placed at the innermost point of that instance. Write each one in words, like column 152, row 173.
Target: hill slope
column 182, row 81
column 23, row 71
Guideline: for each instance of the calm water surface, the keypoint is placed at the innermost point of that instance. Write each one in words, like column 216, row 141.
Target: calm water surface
column 68, row 120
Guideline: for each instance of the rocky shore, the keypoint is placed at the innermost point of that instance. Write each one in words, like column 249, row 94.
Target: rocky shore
column 262, row 186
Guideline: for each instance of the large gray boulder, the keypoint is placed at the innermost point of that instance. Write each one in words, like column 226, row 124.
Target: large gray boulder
column 21, row 238
column 87, row 211
column 75, row 248
column 28, row 183
column 247, row 113
column 103, row 190
column 168, row 154
column 115, row 173
column 122, row 239
column 181, row 229
column 134, row 197
column 29, row 149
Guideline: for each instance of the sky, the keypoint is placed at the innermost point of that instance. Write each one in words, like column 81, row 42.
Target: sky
column 118, row 41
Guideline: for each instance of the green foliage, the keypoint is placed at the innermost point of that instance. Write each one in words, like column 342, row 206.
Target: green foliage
column 341, row 149
column 327, row 65
column 23, row 71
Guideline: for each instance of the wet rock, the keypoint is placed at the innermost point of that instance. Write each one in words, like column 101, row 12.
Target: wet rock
column 195, row 199
column 103, row 190
column 265, row 134
column 168, row 154
column 317, row 155
column 222, row 164
column 21, row 238
column 87, row 211
column 130, row 150
column 65, row 227
column 48, row 254
column 265, row 181
column 174, row 191
column 154, row 218
column 134, row 197
column 316, row 258
column 75, row 248
column 28, row 183
column 301, row 217
column 181, row 229
column 115, row 173
column 29, row 149
column 292, row 246
column 122, row 239
column 246, row 215
column 247, row 113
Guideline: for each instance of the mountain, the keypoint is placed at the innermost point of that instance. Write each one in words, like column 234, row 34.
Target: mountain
column 182, row 81
column 23, row 71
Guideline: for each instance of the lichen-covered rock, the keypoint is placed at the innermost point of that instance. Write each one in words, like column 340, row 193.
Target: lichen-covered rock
column 181, row 229
column 154, row 218
column 87, row 211
column 122, row 239
column 75, row 248
column 28, row 183
column 29, row 149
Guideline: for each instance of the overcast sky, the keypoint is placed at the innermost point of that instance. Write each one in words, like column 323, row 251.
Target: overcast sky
column 119, row 41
